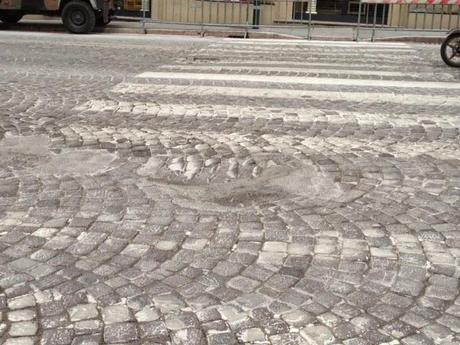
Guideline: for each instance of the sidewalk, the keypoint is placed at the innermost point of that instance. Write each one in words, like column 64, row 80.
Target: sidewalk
column 319, row 31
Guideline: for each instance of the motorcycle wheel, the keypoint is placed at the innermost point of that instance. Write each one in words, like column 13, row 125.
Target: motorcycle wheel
column 450, row 50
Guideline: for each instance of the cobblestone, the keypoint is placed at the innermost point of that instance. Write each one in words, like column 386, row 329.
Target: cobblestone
column 203, row 191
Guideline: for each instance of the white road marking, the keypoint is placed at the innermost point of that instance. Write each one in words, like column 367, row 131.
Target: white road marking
column 279, row 43
column 306, row 64
column 359, row 97
column 218, row 67
column 319, row 67
column 301, row 80
column 313, row 49
column 395, row 56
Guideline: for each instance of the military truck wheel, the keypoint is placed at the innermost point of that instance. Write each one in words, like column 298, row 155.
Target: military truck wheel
column 10, row 18
column 79, row 17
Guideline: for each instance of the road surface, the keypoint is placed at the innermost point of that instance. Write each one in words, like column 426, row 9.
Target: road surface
column 171, row 190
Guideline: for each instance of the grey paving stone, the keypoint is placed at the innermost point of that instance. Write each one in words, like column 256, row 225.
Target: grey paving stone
column 317, row 335
column 21, row 302
column 20, row 341
column 57, row 337
column 21, row 315
column 87, row 340
column 222, row 339
column 155, row 330
column 23, row 329
column 83, row 312
column 399, row 329
column 417, row 339
column 252, row 335
column 120, row 333
column 188, row 336
column 88, row 327
column 115, row 314
column 147, row 314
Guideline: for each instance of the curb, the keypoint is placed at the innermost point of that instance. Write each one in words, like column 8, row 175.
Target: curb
column 115, row 29
column 43, row 26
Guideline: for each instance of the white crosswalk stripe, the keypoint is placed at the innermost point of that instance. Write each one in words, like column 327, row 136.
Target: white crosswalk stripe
column 405, row 54
column 301, row 80
column 361, row 97
column 268, row 42
column 218, row 68
column 305, row 64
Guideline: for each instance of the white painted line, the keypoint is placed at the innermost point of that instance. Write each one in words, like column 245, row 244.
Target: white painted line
column 314, row 43
column 301, row 80
column 307, row 64
column 311, row 49
column 373, row 68
column 320, row 54
column 219, row 67
column 360, row 97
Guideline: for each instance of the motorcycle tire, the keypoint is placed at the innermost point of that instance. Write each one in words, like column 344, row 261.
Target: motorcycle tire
column 445, row 47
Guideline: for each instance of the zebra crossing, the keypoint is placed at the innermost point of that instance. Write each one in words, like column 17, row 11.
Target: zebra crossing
column 338, row 96
column 376, row 88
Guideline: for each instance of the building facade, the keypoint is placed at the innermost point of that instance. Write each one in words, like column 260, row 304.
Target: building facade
column 435, row 17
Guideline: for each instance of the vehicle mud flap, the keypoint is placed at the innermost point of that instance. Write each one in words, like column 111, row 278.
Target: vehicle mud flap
column 106, row 12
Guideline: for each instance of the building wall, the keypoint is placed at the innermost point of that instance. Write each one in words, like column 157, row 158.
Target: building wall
column 403, row 16
column 219, row 12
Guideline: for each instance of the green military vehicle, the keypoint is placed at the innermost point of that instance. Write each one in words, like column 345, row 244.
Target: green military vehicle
column 78, row 16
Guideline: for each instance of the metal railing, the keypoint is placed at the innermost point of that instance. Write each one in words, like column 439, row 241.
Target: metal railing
column 232, row 14
column 371, row 16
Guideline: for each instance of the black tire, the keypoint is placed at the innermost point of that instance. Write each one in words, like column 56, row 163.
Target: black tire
column 78, row 17
column 448, row 52
column 10, row 17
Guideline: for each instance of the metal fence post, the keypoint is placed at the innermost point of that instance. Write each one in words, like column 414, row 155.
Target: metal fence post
column 246, row 28
column 367, row 13
column 383, row 15
column 202, row 18
column 309, row 19
column 256, row 14
column 359, row 21
column 374, row 22
column 424, row 19
column 143, row 17
column 458, row 16
column 441, row 18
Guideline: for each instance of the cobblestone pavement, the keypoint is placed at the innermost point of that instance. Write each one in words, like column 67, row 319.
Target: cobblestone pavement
column 202, row 191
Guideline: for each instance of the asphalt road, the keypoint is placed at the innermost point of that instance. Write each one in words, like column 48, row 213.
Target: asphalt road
column 173, row 190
